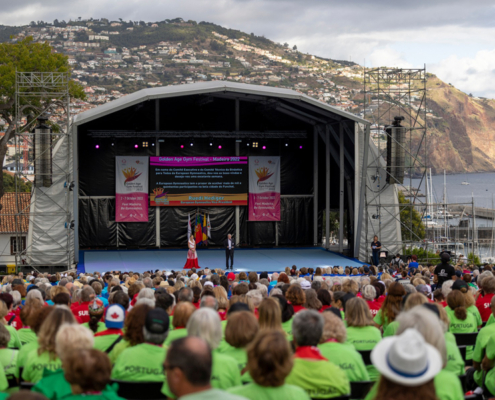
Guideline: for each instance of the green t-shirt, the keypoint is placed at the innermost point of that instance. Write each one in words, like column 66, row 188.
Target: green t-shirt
column 118, row 348
column 287, row 327
column 391, row 329
column 347, row 358
column 490, row 381
column 53, row 385
column 140, row 363
column 449, row 336
column 14, row 342
column 36, row 364
column 381, row 319
column 175, row 334
column 212, row 394
column 472, row 310
column 455, row 363
column 4, row 384
column 252, row 391
column 483, row 343
column 26, row 335
column 8, row 359
column 239, row 355
column 23, row 355
column 102, row 343
column 105, row 395
column 447, row 387
column 100, row 327
column 468, row 325
column 320, row 379
column 365, row 338
column 490, row 321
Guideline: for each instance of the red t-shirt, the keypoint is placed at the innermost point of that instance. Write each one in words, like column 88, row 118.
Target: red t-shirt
column 81, row 312
column 443, row 304
column 323, row 308
column 222, row 315
column 374, row 307
column 297, row 308
column 380, row 299
column 483, row 305
column 16, row 323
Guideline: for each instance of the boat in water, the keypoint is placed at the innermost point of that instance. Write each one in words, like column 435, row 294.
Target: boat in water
column 464, row 183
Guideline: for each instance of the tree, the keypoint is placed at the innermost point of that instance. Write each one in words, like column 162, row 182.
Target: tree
column 286, row 44
column 408, row 216
column 26, row 56
column 9, row 184
column 294, row 47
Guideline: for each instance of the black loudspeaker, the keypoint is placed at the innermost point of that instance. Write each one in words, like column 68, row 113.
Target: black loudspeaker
column 396, row 152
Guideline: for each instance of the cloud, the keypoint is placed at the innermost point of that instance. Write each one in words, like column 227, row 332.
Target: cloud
column 471, row 75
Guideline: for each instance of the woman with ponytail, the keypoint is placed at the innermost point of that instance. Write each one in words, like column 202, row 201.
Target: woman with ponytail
column 391, row 306
column 461, row 321
column 96, row 310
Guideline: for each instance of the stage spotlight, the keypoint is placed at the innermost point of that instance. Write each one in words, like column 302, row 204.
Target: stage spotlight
column 97, row 146
column 287, row 144
column 300, row 147
column 264, row 147
column 191, row 144
column 152, row 144
column 181, row 146
column 255, row 144
column 211, row 144
column 220, row 146
column 247, row 144
column 136, row 146
column 113, row 144
column 145, row 144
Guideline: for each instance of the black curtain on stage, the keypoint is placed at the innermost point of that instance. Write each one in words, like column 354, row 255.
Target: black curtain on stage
column 97, row 227
column 138, row 234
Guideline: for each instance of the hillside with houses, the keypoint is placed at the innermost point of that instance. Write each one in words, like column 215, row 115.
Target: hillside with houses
column 111, row 59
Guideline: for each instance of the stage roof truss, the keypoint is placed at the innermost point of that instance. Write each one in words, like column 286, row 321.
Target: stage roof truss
column 200, row 134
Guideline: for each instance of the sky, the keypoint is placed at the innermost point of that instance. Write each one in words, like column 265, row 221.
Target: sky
column 454, row 38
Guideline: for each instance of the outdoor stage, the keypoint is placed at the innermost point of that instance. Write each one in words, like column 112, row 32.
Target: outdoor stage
column 271, row 260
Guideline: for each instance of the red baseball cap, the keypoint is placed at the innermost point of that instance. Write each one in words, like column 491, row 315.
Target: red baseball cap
column 231, row 276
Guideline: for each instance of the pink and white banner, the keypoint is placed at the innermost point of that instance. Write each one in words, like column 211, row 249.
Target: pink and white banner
column 264, row 188
column 131, row 189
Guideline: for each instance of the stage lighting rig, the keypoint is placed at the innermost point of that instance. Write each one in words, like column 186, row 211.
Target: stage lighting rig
column 255, row 144
column 145, row 144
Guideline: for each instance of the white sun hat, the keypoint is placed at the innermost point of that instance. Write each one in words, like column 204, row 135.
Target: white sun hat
column 407, row 359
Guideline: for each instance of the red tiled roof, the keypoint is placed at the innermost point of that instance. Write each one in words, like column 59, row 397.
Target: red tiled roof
column 10, row 208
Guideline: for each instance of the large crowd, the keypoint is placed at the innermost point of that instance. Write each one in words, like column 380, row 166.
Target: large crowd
column 210, row 334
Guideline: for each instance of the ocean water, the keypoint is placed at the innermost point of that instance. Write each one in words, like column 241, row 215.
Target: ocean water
column 481, row 187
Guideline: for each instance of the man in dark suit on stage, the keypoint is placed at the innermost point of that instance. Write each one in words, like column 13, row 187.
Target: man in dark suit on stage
column 229, row 251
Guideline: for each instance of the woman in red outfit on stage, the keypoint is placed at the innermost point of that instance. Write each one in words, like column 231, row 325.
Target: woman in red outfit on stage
column 192, row 257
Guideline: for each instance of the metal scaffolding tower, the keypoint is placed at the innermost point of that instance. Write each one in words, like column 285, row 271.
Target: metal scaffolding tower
column 395, row 103
column 42, row 117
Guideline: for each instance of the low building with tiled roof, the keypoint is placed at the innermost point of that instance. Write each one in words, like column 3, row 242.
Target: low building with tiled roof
column 12, row 205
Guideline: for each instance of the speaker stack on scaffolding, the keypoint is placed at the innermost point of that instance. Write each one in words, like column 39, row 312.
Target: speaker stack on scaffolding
column 42, row 107
column 395, row 102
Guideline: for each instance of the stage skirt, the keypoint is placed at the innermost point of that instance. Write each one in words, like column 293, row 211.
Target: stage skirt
column 192, row 260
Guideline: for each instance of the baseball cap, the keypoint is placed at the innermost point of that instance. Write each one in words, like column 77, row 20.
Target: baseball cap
column 305, row 285
column 459, row 284
column 157, row 321
column 231, row 276
column 366, row 269
column 458, row 274
column 115, row 316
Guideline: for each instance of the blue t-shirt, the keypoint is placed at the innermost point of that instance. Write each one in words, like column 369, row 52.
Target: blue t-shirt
column 413, row 264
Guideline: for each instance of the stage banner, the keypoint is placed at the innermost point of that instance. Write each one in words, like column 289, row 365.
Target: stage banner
column 264, row 188
column 131, row 189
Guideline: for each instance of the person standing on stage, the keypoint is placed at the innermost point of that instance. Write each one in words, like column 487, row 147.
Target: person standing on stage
column 229, row 251
column 192, row 256
column 375, row 247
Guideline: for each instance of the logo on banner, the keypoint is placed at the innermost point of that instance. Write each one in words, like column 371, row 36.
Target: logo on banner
column 160, row 196
column 123, row 161
column 130, row 175
column 263, row 174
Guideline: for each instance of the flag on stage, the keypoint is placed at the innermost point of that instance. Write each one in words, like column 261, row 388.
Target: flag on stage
column 198, row 231
column 189, row 229
column 208, row 227
column 205, row 232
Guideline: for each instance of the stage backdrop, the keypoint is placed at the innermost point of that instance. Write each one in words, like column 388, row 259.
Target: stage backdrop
column 131, row 189
column 198, row 181
column 264, row 188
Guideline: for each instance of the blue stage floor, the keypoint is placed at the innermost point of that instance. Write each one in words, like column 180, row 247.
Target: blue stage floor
column 259, row 260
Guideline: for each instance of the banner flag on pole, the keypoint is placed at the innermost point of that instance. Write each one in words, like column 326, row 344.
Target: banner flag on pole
column 198, row 231
column 131, row 189
column 189, row 229
column 205, row 231
column 264, row 189
column 208, row 228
